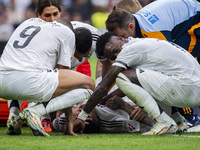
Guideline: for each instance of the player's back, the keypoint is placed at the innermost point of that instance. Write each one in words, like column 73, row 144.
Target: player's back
column 165, row 15
column 36, row 45
column 161, row 56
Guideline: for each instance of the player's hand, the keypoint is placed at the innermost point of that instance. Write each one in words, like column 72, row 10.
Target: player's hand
column 138, row 114
column 89, row 118
column 79, row 125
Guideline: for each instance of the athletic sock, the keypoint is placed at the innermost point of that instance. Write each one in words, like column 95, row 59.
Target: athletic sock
column 14, row 107
column 61, row 102
column 142, row 98
column 178, row 118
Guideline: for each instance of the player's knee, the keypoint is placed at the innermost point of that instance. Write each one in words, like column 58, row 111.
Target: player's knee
column 90, row 84
column 131, row 75
column 122, row 77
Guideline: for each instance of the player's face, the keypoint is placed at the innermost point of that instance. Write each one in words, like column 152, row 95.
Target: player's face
column 80, row 55
column 113, row 47
column 50, row 14
column 126, row 32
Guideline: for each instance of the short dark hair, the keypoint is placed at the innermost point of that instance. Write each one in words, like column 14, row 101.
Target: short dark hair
column 101, row 43
column 83, row 39
column 66, row 23
column 118, row 18
column 41, row 4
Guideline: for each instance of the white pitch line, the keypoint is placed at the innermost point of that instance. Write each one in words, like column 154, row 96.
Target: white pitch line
column 194, row 136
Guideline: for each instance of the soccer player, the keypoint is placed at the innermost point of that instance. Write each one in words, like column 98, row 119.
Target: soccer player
column 163, row 20
column 28, row 70
column 47, row 10
column 80, row 55
column 117, row 115
column 130, row 5
column 158, row 72
column 113, row 117
column 50, row 10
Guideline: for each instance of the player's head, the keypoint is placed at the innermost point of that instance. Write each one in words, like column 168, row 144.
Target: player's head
column 122, row 23
column 48, row 10
column 66, row 23
column 132, row 6
column 83, row 43
column 109, row 45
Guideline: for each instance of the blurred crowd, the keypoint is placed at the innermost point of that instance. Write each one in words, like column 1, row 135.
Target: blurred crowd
column 95, row 12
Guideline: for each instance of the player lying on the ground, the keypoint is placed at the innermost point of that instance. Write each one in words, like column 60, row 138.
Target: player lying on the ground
column 114, row 117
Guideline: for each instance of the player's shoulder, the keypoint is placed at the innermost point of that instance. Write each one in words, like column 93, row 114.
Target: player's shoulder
column 165, row 14
column 135, row 45
column 78, row 24
column 61, row 29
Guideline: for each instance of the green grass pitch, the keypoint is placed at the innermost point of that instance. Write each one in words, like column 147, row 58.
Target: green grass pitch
column 134, row 141
column 93, row 62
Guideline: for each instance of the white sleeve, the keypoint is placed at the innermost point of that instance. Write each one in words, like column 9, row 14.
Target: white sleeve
column 67, row 48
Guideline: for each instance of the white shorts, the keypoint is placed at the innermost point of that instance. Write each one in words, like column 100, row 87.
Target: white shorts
column 28, row 86
column 168, row 89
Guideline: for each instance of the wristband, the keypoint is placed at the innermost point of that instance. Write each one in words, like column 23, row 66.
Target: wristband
column 83, row 115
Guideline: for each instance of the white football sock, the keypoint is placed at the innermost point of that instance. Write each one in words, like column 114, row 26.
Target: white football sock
column 168, row 109
column 141, row 97
column 63, row 101
column 14, row 109
column 178, row 118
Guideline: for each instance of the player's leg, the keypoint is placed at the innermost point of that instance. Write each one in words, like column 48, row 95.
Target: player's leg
column 69, row 80
column 174, row 114
column 73, row 87
column 13, row 122
column 84, row 70
column 142, row 98
column 34, row 113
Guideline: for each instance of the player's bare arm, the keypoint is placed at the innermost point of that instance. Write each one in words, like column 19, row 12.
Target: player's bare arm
column 102, row 88
column 106, row 65
column 68, row 127
column 116, row 102
column 117, row 92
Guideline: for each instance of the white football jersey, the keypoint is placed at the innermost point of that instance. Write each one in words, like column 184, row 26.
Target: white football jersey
column 95, row 34
column 162, row 56
column 115, row 121
column 38, row 45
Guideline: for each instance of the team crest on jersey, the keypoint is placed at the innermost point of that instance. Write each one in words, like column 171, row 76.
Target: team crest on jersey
column 153, row 19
